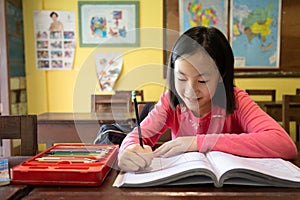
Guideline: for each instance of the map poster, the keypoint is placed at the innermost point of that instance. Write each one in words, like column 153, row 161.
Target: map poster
column 255, row 33
column 203, row 13
column 55, row 39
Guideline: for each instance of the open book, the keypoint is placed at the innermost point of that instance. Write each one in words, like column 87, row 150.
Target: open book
column 216, row 168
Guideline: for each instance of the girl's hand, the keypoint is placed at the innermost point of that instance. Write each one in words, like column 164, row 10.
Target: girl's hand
column 177, row 146
column 135, row 158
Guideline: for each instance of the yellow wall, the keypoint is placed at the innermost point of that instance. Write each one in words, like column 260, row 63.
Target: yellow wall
column 282, row 85
column 70, row 91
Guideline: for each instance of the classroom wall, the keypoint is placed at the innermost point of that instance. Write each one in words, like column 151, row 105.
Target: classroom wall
column 70, row 91
column 282, row 85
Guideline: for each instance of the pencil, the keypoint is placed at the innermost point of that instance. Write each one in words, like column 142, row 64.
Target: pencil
column 137, row 118
column 58, row 159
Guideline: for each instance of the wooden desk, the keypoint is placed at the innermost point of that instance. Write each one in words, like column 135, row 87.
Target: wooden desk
column 13, row 191
column 205, row 191
column 274, row 109
column 75, row 127
column 106, row 191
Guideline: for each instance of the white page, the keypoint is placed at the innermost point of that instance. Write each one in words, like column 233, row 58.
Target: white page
column 164, row 167
column 272, row 166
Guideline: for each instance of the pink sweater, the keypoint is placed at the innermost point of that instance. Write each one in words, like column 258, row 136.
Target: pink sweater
column 249, row 131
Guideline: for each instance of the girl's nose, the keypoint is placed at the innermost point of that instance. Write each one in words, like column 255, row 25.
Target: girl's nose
column 191, row 88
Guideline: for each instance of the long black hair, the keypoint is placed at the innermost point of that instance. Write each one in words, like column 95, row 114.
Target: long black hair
column 217, row 47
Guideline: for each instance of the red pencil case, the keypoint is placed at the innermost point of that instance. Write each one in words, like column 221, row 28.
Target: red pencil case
column 67, row 164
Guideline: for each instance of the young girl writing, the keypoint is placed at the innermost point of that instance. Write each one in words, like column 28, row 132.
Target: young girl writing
column 204, row 110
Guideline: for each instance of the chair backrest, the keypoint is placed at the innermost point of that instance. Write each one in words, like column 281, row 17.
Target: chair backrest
column 23, row 127
column 287, row 114
column 263, row 92
column 107, row 103
column 297, row 91
column 121, row 101
column 140, row 93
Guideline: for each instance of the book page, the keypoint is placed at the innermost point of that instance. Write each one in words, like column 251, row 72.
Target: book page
column 166, row 167
column 275, row 167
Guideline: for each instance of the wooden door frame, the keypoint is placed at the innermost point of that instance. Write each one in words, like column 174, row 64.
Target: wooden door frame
column 4, row 76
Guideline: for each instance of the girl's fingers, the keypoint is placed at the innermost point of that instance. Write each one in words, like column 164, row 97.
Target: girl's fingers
column 169, row 149
column 135, row 159
column 163, row 149
column 131, row 161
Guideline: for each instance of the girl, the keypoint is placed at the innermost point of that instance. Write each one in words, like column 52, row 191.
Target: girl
column 204, row 110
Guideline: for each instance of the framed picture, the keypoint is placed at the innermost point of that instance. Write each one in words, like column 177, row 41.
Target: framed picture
column 112, row 24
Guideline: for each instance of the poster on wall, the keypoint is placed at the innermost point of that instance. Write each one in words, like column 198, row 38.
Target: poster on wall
column 55, row 39
column 203, row 13
column 108, row 68
column 255, row 33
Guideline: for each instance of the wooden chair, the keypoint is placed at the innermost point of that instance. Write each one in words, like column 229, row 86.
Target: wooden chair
column 22, row 127
column 288, row 115
column 107, row 103
column 121, row 101
column 263, row 92
column 140, row 93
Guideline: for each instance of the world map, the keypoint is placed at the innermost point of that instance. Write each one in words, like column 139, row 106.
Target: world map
column 203, row 13
column 255, row 33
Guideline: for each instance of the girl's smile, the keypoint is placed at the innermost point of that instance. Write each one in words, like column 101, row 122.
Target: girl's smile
column 191, row 99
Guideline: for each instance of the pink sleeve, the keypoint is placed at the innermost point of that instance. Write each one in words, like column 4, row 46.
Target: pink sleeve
column 261, row 135
column 152, row 126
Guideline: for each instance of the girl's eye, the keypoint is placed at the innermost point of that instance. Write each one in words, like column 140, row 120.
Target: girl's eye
column 181, row 79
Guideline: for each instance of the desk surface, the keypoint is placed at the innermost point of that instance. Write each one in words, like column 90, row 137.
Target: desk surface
column 106, row 191
column 82, row 117
column 13, row 191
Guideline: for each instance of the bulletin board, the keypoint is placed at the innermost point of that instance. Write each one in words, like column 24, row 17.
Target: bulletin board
column 289, row 64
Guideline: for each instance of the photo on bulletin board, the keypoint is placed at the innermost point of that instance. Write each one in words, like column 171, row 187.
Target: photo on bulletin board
column 255, row 33
column 113, row 23
column 203, row 13
column 55, row 39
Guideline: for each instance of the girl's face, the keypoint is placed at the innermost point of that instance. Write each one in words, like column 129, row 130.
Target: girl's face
column 196, row 79
column 54, row 17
